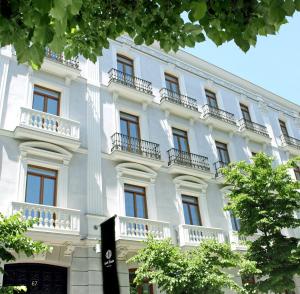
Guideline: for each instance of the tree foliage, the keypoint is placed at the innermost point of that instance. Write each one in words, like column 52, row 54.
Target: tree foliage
column 265, row 198
column 84, row 27
column 202, row 270
column 13, row 242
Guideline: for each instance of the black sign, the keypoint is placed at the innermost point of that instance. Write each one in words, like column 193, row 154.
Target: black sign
column 109, row 258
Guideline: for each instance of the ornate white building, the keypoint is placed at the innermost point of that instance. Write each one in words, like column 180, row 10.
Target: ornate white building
column 140, row 134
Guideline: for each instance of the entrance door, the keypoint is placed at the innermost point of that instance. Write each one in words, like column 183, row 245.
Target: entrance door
column 38, row 278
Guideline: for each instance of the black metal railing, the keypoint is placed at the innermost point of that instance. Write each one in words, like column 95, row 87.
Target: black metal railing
column 188, row 159
column 254, row 127
column 128, row 80
column 73, row 62
column 134, row 145
column 177, row 98
column 218, row 165
column 220, row 114
column 287, row 140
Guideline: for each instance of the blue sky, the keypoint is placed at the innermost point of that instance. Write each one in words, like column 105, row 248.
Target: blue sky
column 273, row 64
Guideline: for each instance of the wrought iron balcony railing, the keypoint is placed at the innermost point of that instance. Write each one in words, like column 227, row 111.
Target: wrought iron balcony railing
column 134, row 145
column 254, row 127
column 218, row 165
column 73, row 62
column 287, row 140
column 220, row 114
column 188, row 159
column 125, row 79
column 177, row 98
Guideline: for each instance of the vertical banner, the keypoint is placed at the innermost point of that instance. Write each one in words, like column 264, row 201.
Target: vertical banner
column 109, row 258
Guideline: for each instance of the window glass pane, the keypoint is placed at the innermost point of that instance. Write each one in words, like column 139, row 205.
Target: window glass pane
column 49, row 192
column 130, row 117
column 184, row 144
column 186, row 214
column 137, row 189
column 140, row 206
column 41, row 171
column 129, row 70
column 33, row 189
column 47, row 92
column 38, row 102
column 146, row 289
column 176, row 142
column 124, row 129
column 129, row 204
column 195, row 215
column 189, row 199
column 120, row 66
column 134, row 132
column 52, row 106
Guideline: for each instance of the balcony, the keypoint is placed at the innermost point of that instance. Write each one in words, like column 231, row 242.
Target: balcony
column 42, row 126
column 51, row 219
column 57, row 64
column 178, row 104
column 219, row 119
column 130, row 87
column 253, row 131
column 190, row 236
column 290, row 144
column 239, row 242
column 188, row 163
column 135, row 150
column 217, row 167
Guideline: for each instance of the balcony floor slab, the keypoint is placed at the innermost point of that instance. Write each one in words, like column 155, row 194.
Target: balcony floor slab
column 180, row 169
column 179, row 110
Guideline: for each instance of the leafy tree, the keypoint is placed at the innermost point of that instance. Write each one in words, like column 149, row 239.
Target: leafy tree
column 84, row 27
column 202, row 270
column 265, row 198
column 13, row 241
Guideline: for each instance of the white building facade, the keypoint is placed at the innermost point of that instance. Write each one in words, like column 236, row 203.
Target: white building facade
column 140, row 134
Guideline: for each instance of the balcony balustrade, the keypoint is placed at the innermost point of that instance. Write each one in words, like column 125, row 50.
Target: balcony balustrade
column 35, row 124
column 240, row 242
column 116, row 76
column 193, row 235
column 50, row 218
column 210, row 111
column 137, row 146
column 217, row 166
column 288, row 141
column 60, row 58
column 253, row 127
column 138, row 229
column 187, row 159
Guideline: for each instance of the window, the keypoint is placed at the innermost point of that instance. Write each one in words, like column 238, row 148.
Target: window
column 46, row 100
column 41, row 185
column 191, row 210
column 180, row 140
column 283, row 128
column 297, row 173
column 235, row 222
column 125, row 65
column 135, row 201
column 211, row 98
column 222, row 152
column 146, row 288
column 172, row 83
column 253, row 154
column 248, row 279
column 245, row 112
column 129, row 125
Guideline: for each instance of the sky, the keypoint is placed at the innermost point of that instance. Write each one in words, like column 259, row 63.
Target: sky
column 274, row 63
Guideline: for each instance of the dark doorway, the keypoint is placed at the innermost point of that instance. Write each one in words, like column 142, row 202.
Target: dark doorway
column 38, row 278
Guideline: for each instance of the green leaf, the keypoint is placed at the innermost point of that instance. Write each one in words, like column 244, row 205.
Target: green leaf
column 138, row 40
column 297, row 5
column 59, row 9
column 75, row 6
column 199, row 9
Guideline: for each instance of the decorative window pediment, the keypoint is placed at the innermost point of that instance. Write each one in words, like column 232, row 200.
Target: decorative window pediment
column 190, row 183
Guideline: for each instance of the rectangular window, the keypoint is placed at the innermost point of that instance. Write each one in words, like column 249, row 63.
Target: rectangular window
column 41, row 185
column 248, row 279
column 180, row 139
column 283, row 128
column 129, row 125
column 172, row 83
column 191, row 210
column 135, row 201
column 223, row 152
column 211, row 99
column 245, row 112
column 46, row 100
column 125, row 65
column 145, row 288
column 297, row 173
column 235, row 222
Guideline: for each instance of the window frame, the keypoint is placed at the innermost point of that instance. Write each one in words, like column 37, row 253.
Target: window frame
column 178, row 136
column 130, row 63
column 132, row 271
column 46, row 97
column 282, row 125
column 218, row 147
column 189, row 210
column 134, row 199
column 41, row 190
column 210, row 95
column 297, row 173
column 128, row 121
column 169, row 78
column 245, row 109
